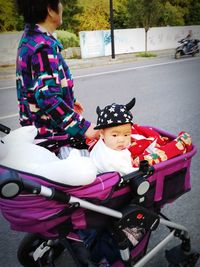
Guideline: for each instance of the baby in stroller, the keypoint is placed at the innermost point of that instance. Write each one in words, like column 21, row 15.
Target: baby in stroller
column 122, row 144
column 111, row 153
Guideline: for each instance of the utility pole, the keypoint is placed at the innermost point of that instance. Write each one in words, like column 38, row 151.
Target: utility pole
column 112, row 30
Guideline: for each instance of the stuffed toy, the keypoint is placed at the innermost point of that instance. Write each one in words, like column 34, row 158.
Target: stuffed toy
column 19, row 152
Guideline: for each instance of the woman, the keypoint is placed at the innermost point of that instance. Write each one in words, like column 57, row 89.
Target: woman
column 44, row 82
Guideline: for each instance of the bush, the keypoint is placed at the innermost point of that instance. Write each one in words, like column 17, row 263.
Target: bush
column 145, row 54
column 67, row 39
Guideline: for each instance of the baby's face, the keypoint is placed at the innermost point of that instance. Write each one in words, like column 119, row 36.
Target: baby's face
column 117, row 137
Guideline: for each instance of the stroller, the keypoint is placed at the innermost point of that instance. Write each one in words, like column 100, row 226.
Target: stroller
column 54, row 215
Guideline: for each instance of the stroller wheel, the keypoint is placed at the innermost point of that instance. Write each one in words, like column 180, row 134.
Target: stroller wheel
column 28, row 246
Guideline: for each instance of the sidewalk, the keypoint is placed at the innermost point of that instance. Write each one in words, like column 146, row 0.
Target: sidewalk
column 100, row 61
column 8, row 70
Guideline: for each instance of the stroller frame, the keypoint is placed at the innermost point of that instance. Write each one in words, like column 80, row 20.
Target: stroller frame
column 12, row 185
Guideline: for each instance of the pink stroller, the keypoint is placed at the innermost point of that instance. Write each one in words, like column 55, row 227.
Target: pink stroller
column 55, row 215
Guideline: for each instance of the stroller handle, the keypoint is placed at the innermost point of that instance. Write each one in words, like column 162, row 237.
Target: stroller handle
column 11, row 185
column 4, row 129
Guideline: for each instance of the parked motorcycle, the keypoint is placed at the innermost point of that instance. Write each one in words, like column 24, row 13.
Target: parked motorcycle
column 187, row 47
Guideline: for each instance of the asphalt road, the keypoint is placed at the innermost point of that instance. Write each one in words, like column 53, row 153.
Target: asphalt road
column 167, row 95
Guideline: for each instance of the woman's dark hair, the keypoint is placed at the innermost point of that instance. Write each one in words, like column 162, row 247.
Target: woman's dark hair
column 35, row 11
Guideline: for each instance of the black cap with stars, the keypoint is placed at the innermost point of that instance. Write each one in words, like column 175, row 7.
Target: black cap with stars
column 114, row 115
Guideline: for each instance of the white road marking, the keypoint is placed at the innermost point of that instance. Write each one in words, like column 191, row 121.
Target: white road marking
column 133, row 68
column 105, row 73
column 9, row 116
column 121, row 70
column 8, row 87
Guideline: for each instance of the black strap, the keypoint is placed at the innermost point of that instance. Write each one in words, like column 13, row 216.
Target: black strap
column 54, row 145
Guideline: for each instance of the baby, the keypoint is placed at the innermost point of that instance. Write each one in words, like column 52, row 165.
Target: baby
column 111, row 153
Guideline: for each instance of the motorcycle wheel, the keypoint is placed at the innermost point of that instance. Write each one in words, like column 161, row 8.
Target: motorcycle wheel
column 195, row 53
column 177, row 55
column 27, row 247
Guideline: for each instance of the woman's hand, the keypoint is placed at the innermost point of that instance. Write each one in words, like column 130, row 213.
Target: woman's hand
column 78, row 108
column 91, row 133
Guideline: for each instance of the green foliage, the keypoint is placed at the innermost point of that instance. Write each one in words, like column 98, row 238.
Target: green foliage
column 145, row 54
column 120, row 15
column 88, row 3
column 193, row 17
column 70, row 10
column 67, row 39
column 95, row 16
column 19, row 23
column 79, row 15
column 173, row 15
column 133, row 13
column 7, row 16
column 143, row 13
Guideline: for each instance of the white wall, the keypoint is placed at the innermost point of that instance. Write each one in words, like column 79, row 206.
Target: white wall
column 98, row 43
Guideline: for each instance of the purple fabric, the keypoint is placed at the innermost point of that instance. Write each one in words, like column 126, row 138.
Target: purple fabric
column 170, row 166
column 30, row 213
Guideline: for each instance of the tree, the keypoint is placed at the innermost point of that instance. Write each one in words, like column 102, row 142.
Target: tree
column 174, row 12
column 144, row 13
column 120, row 14
column 70, row 11
column 7, row 16
column 95, row 16
column 193, row 17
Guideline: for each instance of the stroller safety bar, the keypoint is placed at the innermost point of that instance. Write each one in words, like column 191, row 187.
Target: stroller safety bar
column 175, row 226
column 155, row 250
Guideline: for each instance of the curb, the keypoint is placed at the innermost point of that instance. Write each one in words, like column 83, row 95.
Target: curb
column 8, row 70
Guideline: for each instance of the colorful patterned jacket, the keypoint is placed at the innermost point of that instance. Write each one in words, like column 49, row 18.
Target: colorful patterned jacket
column 45, row 87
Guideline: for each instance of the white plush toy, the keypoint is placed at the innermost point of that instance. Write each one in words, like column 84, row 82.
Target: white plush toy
column 19, row 152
